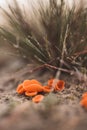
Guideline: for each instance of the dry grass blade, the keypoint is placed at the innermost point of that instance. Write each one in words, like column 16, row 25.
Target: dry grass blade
column 65, row 37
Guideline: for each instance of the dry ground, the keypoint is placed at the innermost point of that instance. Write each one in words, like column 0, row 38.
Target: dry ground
column 57, row 111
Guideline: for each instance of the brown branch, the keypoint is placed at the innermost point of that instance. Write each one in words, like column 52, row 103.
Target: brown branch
column 52, row 67
column 80, row 53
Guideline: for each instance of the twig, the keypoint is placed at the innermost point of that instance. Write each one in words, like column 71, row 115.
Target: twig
column 52, row 67
column 63, row 51
column 31, row 71
column 80, row 53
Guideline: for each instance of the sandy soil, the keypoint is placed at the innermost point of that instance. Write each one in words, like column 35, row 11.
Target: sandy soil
column 57, row 111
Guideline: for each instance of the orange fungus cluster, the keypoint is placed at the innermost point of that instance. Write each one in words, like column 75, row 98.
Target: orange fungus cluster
column 83, row 101
column 33, row 88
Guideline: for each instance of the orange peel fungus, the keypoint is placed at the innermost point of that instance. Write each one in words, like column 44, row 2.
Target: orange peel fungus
column 59, row 84
column 33, row 87
column 37, row 98
column 84, row 95
column 20, row 89
column 83, row 101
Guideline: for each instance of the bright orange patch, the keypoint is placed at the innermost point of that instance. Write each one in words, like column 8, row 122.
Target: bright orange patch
column 33, row 87
column 59, row 85
column 30, row 94
column 26, row 82
column 20, row 89
column 33, row 81
column 83, row 101
column 37, row 98
column 50, row 82
column 47, row 89
column 84, row 95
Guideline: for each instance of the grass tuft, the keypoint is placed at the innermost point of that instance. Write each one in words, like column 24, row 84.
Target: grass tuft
column 62, row 41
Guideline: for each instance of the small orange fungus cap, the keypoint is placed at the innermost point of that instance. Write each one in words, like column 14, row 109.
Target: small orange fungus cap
column 59, row 85
column 50, row 82
column 34, row 81
column 47, row 89
column 32, row 86
column 83, row 102
column 20, row 89
column 84, row 95
column 26, row 82
column 37, row 98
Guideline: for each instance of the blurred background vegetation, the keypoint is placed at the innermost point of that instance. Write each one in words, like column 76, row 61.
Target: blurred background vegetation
column 54, row 37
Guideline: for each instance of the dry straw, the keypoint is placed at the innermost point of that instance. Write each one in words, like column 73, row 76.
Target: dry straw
column 62, row 43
